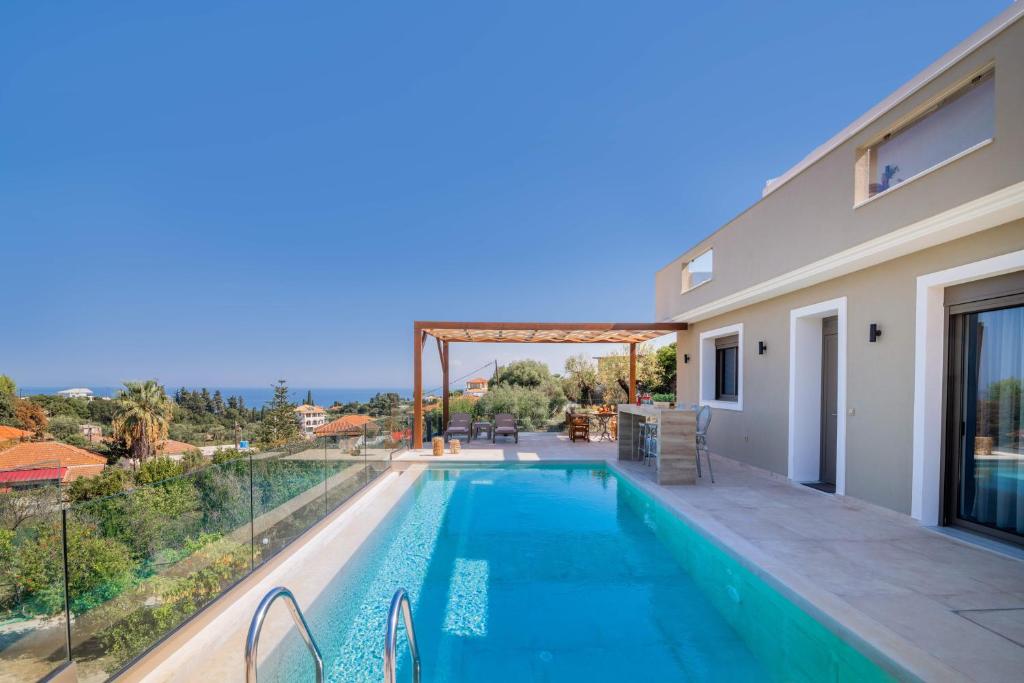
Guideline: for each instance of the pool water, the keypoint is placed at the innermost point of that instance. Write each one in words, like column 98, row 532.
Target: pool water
column 558, row 573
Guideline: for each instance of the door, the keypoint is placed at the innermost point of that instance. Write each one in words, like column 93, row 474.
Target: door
column 829, row 397
column 985, row 466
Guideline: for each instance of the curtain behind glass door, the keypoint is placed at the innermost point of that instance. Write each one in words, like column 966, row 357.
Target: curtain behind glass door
column 991, row 482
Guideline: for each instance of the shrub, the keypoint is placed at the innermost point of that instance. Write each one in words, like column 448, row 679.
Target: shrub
column 111, row 481
column 176, row 598
column 64, row 427
column 98, row 568
column 158, row 469
column 530, row 405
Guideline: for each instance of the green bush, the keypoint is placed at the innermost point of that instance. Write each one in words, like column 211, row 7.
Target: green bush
column 530, row 405
column 111, row 481
column 174, row 599
column 98, row 568
column 665, row 398
column 158, row 469
column 64, row 427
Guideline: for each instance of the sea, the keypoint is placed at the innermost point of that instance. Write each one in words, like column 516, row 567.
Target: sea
column 254, row 397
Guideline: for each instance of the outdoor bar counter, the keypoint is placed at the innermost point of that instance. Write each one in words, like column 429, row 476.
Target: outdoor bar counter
column 677, row 447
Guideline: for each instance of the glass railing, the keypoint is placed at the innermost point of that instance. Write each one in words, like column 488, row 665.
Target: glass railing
column 143, row 561
column 33, row 627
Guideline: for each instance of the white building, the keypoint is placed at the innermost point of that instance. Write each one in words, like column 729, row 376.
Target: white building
column 77, row 392
column 309, row 418
column 477, row 386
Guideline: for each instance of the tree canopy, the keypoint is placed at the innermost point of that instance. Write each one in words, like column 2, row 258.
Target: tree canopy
column 142, row 418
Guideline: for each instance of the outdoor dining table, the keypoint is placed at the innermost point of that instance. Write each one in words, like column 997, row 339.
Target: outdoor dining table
column 603, row 422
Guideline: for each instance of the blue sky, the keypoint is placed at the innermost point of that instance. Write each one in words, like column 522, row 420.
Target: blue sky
column 225, row 193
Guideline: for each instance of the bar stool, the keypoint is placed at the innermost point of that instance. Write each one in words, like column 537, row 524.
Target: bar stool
column 634, row 427
column 650, row 447
column 639, row 438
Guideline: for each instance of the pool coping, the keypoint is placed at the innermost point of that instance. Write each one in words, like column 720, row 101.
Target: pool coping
column 888, row 649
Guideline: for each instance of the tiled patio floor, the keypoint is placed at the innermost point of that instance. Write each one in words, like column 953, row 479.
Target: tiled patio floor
column 532, row 447
column 961, row 604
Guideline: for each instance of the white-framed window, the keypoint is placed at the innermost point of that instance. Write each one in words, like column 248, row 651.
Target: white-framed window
column 721, row 367
column 698, row 270
column 947, row 129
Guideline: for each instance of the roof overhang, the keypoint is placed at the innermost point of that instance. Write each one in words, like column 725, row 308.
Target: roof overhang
column 547, row 333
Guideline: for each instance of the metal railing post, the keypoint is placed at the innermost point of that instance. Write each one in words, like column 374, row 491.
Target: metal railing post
column 252, row 639
column 400, row 603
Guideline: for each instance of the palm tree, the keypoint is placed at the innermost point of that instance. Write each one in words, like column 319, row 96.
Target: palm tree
column 143, row 414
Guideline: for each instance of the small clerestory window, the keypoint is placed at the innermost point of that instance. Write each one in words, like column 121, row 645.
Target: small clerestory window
column 699, row 270
column 952, row 126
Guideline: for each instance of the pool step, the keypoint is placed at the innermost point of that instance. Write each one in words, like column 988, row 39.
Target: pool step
column 252, row 639
column 399, row 604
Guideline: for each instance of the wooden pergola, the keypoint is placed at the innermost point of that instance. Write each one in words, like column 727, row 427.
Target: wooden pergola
column 446, row 333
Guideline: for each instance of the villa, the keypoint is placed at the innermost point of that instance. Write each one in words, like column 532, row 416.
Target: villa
column 861, row 327
column 476, row 386
column 309, row 418
column 837, row 493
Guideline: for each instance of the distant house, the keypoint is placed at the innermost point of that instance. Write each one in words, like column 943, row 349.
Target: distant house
column 477, row 386
column 77, row 392
column 37, row 463
column 345, row 430
column 174, row 449
column 309, row 418
column 92, row 433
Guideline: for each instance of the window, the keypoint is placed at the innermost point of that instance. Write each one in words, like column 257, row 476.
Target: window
column 721, row 368
column 726, row 368
column 954, row 125
column 698, row 271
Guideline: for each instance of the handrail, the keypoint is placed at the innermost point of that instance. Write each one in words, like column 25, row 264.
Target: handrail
column 400, row 601
column 256, row 626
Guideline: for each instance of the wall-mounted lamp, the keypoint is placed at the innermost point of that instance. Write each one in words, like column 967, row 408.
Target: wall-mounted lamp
column 874, row 332
column 761, row 348
column 686, row 358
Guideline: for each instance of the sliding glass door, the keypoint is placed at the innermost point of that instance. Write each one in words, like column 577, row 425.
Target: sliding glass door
column 985, row 467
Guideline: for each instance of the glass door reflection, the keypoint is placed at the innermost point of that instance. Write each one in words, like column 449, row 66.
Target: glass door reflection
column 990, row 487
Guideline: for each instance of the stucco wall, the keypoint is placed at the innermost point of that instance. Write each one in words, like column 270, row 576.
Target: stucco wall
column 880, row 376
column 813, row 215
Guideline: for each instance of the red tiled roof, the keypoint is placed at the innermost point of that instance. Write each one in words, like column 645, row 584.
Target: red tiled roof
column 13, row 433
column 343, row 425
column 172, row 447
column 78, row 471
column 33, row 474
column 31, row 453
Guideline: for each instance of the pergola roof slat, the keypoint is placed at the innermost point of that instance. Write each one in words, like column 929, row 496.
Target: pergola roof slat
column 547, row 333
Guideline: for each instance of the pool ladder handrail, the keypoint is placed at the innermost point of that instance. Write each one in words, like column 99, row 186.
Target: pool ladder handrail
column 400, row 603
column 256, row 627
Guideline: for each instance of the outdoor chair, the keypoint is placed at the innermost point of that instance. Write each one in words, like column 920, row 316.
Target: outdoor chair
column 579, row 427
column 458, row 425
column 505, row 425
column 703, row 422
column 649, row 441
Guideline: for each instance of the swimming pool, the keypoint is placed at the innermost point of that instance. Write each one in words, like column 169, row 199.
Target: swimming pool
column 555, row 573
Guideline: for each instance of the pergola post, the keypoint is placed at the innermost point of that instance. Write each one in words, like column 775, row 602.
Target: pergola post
column 632, row 372
column 417, row 387
column 442, row 349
